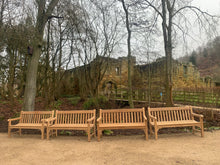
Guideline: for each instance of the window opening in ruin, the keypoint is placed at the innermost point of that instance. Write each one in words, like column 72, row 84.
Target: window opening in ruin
column 185, row 70
column 118, row 71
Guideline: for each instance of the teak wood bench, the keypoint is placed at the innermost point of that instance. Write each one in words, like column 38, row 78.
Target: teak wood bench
column 173, row 117
column 72, row 120
column 122, row 119
column 30, row 120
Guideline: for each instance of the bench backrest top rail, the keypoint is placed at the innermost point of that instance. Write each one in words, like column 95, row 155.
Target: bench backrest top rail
column 171, row 113
column 74, row 116
column 170, row 108
column 122, row 115
column 35, row 116
column 74, row 111
column 121, row 110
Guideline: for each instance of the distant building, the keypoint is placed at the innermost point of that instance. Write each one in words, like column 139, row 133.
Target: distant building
column 116, row 75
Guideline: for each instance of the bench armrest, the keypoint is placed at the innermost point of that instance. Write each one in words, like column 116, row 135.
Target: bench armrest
column 17, row 118
column 14, row 119
column 152, row 117
column 197, row 115
column 48, row 121
column 91, row 119
column 145, row 118
column 99, row 119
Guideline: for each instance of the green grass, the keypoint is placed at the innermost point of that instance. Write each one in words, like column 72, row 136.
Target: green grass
column 108, row 132
column 214, row 128
column 74, row 100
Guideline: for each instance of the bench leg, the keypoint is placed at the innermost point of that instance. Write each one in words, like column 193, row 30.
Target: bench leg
column 56, row 132
column 202, row 130
column 89, row 135
column 146, row 133
column 193, row 129
column 98, row 132
column 48, row 133
column 156, row 133
column 42, row 133
column 20, row 131
column 9, row 132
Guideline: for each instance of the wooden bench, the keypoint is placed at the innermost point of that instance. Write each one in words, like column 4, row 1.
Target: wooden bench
column 30, row 120
column 72, row 120
column 174, row 117
column 122, row 119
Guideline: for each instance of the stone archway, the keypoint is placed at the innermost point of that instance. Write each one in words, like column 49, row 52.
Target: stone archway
column 109, row 87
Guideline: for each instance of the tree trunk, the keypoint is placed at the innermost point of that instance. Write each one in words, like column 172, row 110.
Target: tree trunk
column 167, row 32
column 129, row 57
column 31, row 79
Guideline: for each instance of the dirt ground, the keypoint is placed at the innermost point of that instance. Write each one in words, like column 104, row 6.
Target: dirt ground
column 169, row 149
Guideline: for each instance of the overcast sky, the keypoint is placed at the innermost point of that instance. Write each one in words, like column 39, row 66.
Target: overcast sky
column 199, row 39
column 210, row 6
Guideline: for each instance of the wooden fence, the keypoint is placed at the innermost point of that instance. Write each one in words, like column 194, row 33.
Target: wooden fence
column 194, row 96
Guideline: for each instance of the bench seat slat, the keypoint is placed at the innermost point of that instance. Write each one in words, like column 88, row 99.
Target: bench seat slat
column 71, row 126
column 23, row 125
column 175, row 123
column 122, row 125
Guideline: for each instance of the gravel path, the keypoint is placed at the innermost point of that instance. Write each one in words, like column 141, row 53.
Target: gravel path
column 169, row 149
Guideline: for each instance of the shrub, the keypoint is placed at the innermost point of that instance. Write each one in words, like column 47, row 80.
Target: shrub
column 95, row 103
column 74, row 100
column 57, row 104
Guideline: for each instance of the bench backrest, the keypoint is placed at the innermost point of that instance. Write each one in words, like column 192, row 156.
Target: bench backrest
column 35, row 116
column 74, row 116
column 171, row 113
column 122, row 115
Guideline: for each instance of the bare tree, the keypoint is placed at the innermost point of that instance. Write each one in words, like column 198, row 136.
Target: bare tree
column 170, row 12
column 95, row 39
column 130, row 97
column 44, row 12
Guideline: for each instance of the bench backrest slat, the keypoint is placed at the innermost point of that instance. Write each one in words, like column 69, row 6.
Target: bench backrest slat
column 171, row 113
column 74, row 116
column 35, row 116
column 122, row 115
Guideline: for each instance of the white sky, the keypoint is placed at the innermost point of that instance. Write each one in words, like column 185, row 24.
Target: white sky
column 181, row 49
column 210, row 6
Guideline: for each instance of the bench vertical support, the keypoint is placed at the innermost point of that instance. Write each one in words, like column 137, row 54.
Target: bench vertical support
column 42, row 133
column 98, row 132
column 156, row 134
column 146, row 133
column 48, row 133
column 9, row 131
column 193, row 129
column 88, row 132
column 20, row 131
column 202, row 129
